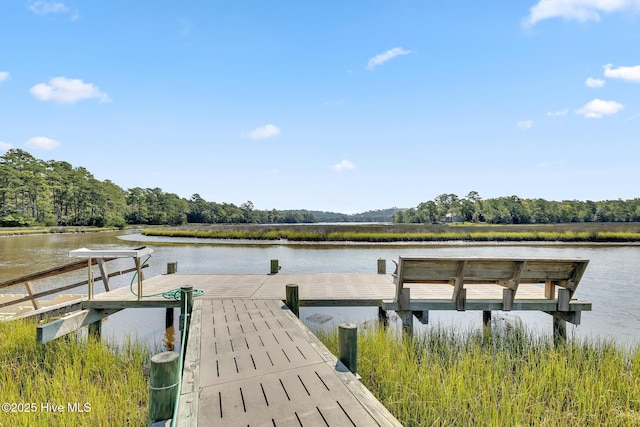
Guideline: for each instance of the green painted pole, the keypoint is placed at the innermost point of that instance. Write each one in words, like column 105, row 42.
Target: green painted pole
column 275, row 267
column 163, row 385
column 348, row 345
column 293, row 300
column 172, row 267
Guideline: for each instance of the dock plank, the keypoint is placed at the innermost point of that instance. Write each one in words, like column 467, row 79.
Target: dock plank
column 260, row 365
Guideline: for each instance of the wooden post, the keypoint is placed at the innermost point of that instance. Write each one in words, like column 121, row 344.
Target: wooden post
column 169, row 330
column 163, row 385
column 404, row 312
column 172, row 267
column 274, row 266
column 383, row 317
column 348, row 345
column 186, row 294
column 293, row 300
column 486, row 324
column 382, row 266
column 559, row 331
column 95, row 329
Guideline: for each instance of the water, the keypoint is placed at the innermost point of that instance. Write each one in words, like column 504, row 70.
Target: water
column 609, row 283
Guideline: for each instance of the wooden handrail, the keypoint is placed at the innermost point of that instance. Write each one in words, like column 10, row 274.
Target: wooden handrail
column 66, row 287
column 50, row 272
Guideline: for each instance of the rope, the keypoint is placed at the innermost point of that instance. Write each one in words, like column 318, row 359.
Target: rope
column 183, row 347
column 172, row 294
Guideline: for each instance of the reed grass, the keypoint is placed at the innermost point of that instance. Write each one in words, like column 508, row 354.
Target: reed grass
column 109, row 386
column 513, row 378
column 532, row 235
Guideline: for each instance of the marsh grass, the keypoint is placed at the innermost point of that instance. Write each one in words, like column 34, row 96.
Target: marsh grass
column 446, row 378
column 78, row 373
column 454, row 234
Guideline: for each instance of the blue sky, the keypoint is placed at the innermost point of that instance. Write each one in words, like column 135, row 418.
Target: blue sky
column 340, row 106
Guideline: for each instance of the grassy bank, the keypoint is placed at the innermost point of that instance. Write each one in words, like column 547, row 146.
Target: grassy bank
column 109, row 387
column 446, row 378
column 603, row 232
column 18, row 231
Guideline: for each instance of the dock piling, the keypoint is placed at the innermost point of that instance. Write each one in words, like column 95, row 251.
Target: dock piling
column 348, row 345
column 275, row 267
column 382, row 266
column 172, row 267
column 293, row 299
column 163, row 385
column 486, row 324
column 559, row 331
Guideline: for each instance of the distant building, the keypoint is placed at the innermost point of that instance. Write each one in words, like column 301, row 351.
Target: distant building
column 450, row 217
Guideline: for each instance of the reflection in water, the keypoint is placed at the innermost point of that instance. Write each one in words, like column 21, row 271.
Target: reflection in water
column 169, row 335
column 611, row 277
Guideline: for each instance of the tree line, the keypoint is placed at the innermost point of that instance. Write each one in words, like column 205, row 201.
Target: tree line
column 516, row 210
column 51, row 193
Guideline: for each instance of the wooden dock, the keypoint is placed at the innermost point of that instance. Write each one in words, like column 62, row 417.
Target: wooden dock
column 251, row 361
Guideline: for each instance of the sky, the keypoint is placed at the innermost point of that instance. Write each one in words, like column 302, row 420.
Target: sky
column 333, row 105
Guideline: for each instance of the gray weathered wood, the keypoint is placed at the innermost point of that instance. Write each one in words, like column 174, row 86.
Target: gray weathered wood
column 508, row 295
column 34, row 301
column 70, row 323
column 564, row 297
column 102, row 265
column 382, row 266
column 188, row 406
column 172, row 267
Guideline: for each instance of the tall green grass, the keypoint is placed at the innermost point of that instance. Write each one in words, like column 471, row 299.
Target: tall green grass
column 447, row 378
column 78, row 373
column 531, row 235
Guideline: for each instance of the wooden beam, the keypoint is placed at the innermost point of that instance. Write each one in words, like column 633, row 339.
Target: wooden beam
column 488, row 304
column 73, row 322
column 30, row 292
column 458, row 282
column 573, row 317
column 47, row 273
column 62, row 288
column 115, row 304
column 104, row 274
column 550, row 289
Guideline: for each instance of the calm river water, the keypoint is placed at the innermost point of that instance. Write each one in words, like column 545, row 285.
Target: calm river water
column 610, row 282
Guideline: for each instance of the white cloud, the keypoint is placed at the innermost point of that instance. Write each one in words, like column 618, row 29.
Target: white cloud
column 344, row 165
column 45, row 7
column 598, row 108
column 591, row 82
column 558, row 113
column 4, row 75
column 42, row 143
column 5, row 146
column 266, row 131
column 579, row 10
column 67, row 91
column 525, row 124
column 384, row 57
column 631, row 74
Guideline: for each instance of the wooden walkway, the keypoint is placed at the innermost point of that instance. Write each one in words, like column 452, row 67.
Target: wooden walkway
column 326, row 290
column 251, row 362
